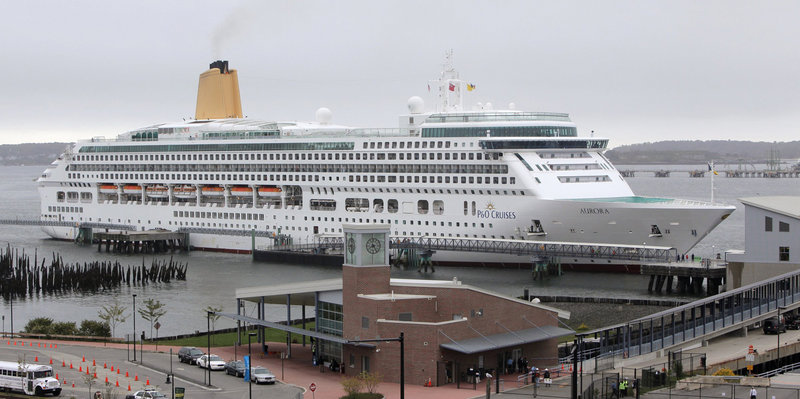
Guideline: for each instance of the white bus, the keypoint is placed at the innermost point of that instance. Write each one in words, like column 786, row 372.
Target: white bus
column 33, row 379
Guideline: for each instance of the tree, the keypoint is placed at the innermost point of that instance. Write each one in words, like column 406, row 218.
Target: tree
column 89, row 378
column 113, row 314
column 39, row 325
column 95, row 328
column 152, row 311
column 211, row 313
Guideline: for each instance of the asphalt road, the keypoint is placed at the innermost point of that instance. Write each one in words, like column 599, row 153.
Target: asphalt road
column 152, row 369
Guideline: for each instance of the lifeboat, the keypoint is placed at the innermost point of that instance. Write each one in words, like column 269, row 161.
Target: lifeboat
column 108, row 189
column 157, row 192
column 132, row 189
column 269, row 191
column 242, row 191
column 213, row 191
column 184, row 192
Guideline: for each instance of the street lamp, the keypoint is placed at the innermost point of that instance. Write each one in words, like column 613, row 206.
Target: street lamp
column 778, row 333
column 249, row 365
column 208, row 360
column 134, row 327
column 172, row 380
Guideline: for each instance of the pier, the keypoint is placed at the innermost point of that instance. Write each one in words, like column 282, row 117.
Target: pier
column 689, row 275
column 132, row 242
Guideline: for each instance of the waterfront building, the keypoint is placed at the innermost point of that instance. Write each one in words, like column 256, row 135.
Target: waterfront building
column 772, row 245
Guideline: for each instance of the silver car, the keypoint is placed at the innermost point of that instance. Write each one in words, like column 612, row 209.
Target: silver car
column 262, row 375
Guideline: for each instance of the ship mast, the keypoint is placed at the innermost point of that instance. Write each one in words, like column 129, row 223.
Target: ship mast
column 450, row 87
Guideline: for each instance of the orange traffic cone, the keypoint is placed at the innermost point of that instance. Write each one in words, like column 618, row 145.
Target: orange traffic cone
column 83, row 358
column 63, row 363
column 148, row 382
column 93, row 374
column 105, row 366
column 73, row 385
column 80, row 369
column 118, row 371
column 106, row 379
column 112, row 368
column 56, row 375
column 55, row 346
column 126, row 374
column 36, row 359
column 93, row 363
column 136, row 377
column 129, row 387
column 117, row 384
column 70, row 365
column 51, row 360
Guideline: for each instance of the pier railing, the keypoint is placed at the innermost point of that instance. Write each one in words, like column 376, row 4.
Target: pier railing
column 699, row 320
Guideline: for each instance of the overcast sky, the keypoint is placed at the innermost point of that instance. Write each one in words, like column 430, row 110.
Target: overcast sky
column 632, row 71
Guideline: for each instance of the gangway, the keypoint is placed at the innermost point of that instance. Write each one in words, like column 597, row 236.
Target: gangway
column 522, row 248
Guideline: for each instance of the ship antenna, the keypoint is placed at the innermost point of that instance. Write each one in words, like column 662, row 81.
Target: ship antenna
column 449, row 84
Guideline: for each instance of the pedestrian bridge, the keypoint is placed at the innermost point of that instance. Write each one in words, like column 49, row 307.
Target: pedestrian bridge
column 693, row 322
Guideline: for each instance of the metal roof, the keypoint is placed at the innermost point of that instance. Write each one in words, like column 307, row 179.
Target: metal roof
column 293, row 330
column 504, row 340
column 784, row 204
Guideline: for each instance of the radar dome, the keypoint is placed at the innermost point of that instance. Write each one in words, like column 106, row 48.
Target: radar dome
column 324, row 116
column 488, row 106
column 416, row 105
column 512, row 106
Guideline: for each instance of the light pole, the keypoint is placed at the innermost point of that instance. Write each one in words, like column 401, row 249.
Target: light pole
column 134, row 327
column 208, row 360
column 778, row 333
column 249, row 365
column 171, row 381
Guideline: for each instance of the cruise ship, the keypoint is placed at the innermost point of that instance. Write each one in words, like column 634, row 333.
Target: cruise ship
column 482, row 173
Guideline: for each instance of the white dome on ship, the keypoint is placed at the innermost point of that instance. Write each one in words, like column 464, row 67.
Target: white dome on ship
column 512, row 106
column 324, row 116
column 416, row 105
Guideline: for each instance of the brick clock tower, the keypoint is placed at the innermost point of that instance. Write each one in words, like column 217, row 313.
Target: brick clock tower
column 366, row 260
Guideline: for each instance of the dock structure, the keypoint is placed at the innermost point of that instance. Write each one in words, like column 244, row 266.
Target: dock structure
column 662, row 173
column 628, row 173
column 151, row 241
column 767, row 174
column 689, row 275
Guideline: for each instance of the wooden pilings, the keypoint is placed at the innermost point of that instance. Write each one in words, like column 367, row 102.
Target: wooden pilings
column 690, row 277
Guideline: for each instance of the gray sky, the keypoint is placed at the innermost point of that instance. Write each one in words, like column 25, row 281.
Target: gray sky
column 632, row 71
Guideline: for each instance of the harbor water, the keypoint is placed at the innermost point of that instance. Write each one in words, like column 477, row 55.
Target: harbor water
column 212, row 278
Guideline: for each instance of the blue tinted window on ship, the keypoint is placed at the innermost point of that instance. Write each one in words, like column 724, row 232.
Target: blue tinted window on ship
column 502, row 131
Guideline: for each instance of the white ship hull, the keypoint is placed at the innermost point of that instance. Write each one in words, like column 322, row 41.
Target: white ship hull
column 484, row 174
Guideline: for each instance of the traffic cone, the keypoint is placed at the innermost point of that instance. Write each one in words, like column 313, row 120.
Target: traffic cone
column 94, row 375
column 136, row 377
column 562, row 367
column 126, row 374
column 93, row 363
column 112, row 368
column 106, row 379
column 36, row 359
column 51, row 360
column 39, row 345
column 117, row 384
column 73, row 385
column 56, row 375
column 105, row 366
column 63, row 363
column 148, row 382
column 55, row 346
column 129, row 387
column 118, row 371
column 80, row 369
column 70, row 365
column 83, row 358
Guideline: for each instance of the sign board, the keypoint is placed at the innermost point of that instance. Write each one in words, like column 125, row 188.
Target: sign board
column 750, row 357
column 247, row 369
column 749, row 367
column 179, row 392
column 157, row 325
column 312, row 387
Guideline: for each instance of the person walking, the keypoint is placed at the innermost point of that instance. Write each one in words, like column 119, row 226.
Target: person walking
column 753, row 393
column 547, row 379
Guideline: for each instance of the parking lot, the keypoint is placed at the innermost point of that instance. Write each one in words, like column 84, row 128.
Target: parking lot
column 148, row 372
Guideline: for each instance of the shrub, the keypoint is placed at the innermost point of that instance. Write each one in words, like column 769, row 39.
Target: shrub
column 39, row 325
column 95, row 329
column 370, row 381
column 724, row 372
column 351, row 385
column 63, row 328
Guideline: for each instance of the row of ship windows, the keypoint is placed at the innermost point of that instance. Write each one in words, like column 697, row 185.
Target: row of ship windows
column 288, row 156
column 297, row 178
column 330, row 168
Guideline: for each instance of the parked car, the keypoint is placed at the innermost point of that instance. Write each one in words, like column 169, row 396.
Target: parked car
column 235, row 367
column 262, row 375
column 146, row 394
column 189, row 354
column 794, row 324
column 773, row 325
column 213, row 362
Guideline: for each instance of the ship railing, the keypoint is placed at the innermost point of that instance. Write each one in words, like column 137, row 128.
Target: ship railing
column 379, row 132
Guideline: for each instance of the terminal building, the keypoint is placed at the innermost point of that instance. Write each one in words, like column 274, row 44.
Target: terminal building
column 448, row 328
column 772, row 242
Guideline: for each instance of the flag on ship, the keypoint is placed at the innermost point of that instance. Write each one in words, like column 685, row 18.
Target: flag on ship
column 470, row 87
column 452, row 87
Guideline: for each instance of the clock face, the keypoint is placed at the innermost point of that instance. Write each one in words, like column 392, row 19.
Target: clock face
column 351, row 245
column 373, row 245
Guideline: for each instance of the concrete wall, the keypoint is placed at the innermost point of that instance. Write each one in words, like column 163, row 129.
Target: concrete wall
column 743, row 273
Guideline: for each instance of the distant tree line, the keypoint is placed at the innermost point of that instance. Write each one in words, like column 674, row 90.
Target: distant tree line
column 699, row 152
column 30, row 153
column 47, row 326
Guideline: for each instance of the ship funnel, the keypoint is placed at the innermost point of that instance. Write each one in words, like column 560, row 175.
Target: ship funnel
column 218, row 93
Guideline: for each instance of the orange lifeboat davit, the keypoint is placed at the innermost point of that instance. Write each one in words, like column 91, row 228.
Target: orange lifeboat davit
column 108, row 189
column 132, row 189
column 157, row 192
column 184, row 192
column 242, row 191
column 213, row 191
column 269, row 191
